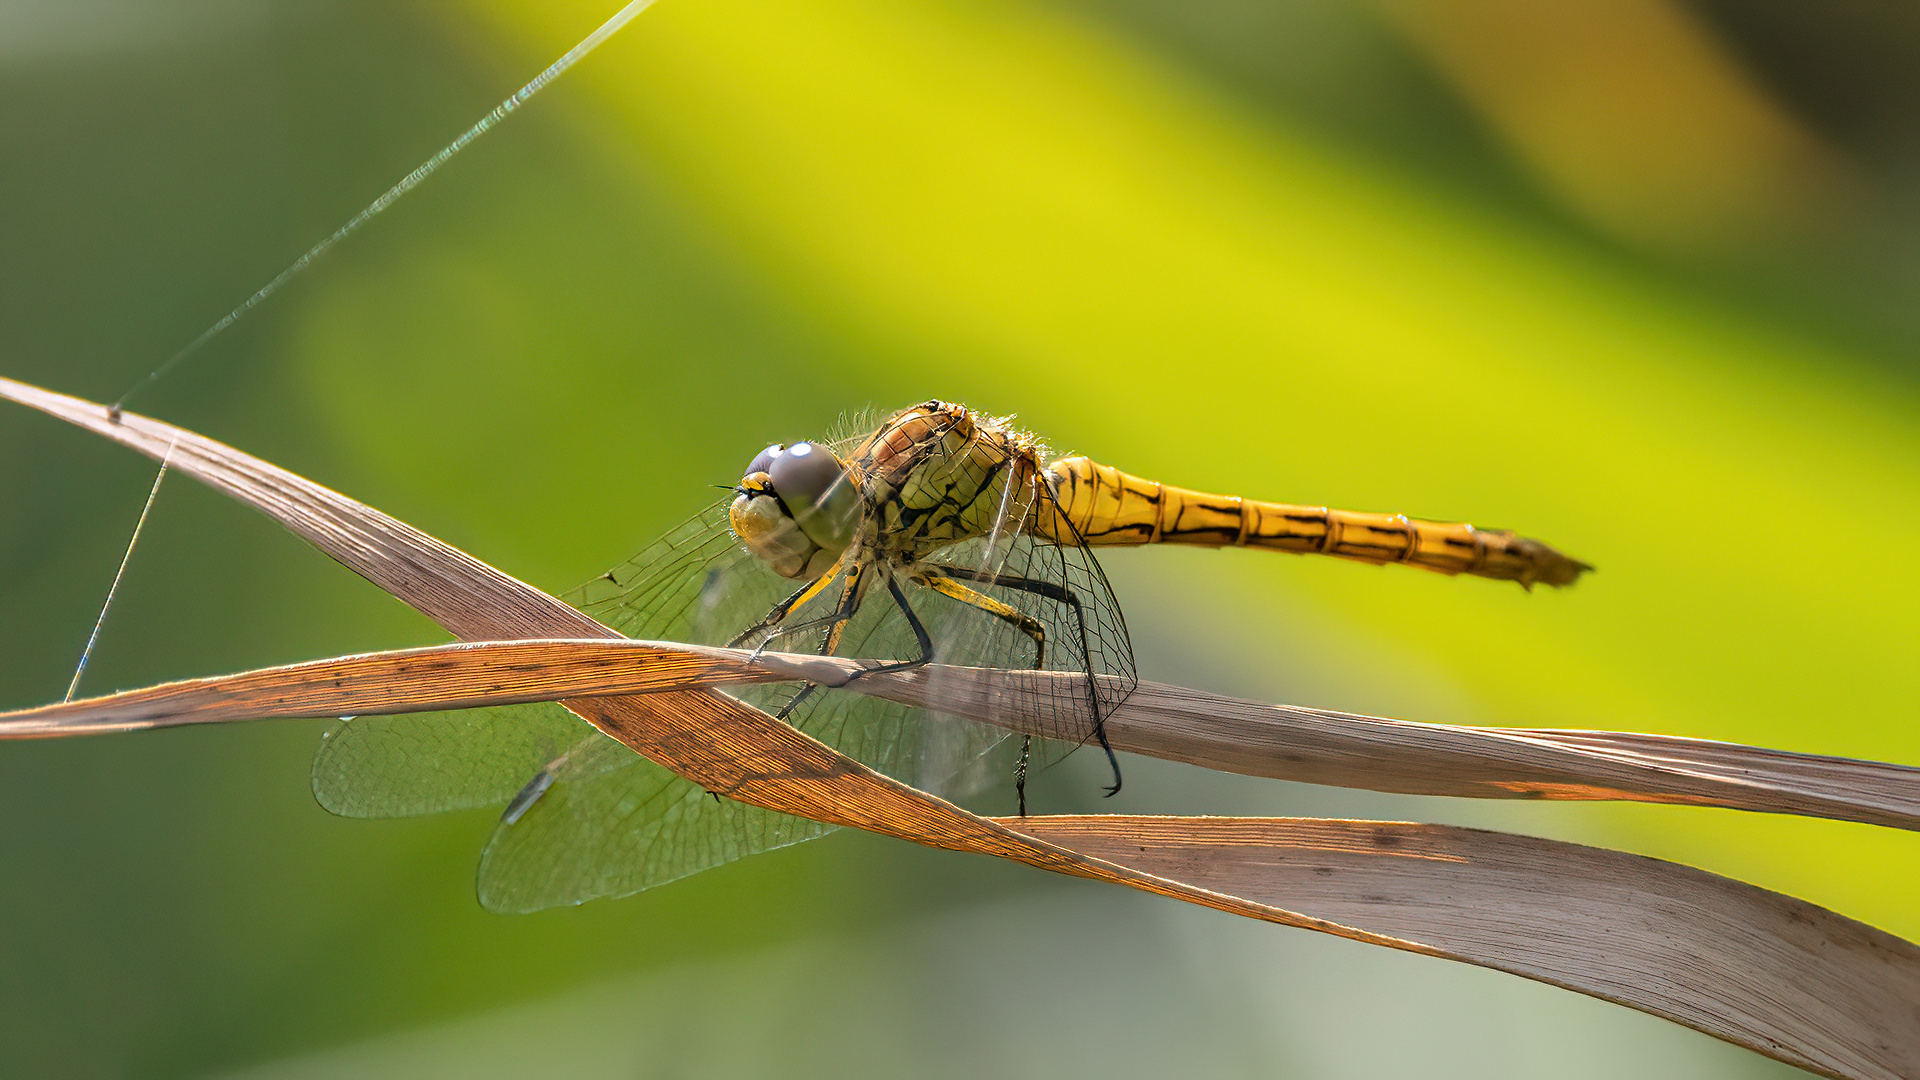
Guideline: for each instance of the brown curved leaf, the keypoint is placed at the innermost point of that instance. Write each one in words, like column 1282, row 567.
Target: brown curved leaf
column 464, row 675
column 1748, row 965
column 1165, row 721
column 1320, row 746
column 1820, row 1018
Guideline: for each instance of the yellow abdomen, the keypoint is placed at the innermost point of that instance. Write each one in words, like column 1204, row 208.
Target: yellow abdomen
column 1108, row 507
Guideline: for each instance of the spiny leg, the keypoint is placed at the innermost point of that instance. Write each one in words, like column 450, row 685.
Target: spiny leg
column 1055, row 591
column 792, row 629
column 1027, row 625
column 1020, row 772
column 843, row 614
column 774, row 616
column 1021, row 621
column 835, row 624
column 920, row 635
column 779, row 612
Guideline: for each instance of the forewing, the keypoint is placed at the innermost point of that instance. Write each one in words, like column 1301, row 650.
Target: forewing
column 609, row 822
column 425, row 763
column 696, row 584
column 599, row 832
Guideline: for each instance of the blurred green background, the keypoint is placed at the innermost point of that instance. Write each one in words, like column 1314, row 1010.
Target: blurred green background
column 1636, row 277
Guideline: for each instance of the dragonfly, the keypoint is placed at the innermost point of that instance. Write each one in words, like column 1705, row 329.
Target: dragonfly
column 940, row 535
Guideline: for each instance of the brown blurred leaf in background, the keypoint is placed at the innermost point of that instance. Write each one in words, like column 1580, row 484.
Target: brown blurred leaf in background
column 1636, row 117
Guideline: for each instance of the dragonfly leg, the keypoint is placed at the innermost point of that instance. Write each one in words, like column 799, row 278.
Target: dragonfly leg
column 842, row 615
column 835, row 624
column 1055, row 591
column 1028, row 625
column 787, row 630
column 1022, row 621
column 1020, row 772
column 920, row 636
column 781, row 610
column 796, row 701
column 840, row 619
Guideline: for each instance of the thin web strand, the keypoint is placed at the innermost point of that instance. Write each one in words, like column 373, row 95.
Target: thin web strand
column 407, row 183
column 113, row 590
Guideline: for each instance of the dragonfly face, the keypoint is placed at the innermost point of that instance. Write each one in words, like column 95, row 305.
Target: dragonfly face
column 796, row 509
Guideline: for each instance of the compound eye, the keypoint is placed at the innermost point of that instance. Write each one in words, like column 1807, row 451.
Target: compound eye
column 764, row 462
column 818, row 493
column 803, row 474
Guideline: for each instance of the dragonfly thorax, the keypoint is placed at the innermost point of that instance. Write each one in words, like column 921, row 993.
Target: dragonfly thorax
column 938, row 474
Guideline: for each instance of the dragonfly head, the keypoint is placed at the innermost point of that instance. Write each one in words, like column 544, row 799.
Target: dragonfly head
column 797, row 509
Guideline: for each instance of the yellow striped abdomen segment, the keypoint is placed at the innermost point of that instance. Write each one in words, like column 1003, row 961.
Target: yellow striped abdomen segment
column 1108, row 507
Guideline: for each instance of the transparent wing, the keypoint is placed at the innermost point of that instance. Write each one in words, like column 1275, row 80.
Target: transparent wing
column 696, row 584
column 622, row 831
column 609, row 822
column 609, row 832
column 426, row 763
